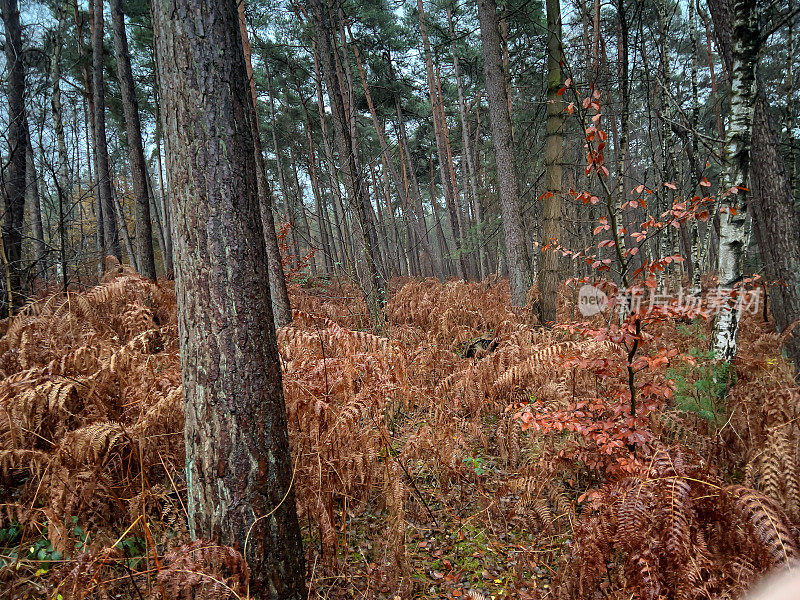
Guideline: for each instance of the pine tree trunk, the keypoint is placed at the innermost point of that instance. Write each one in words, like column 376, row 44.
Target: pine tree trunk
column 375, row 286
column 439, row 125
column 102, row 170
column 553, row 157
column 386, row 157
column 169, row 269
column 15, row 177
column 239, row 470
column 145, row 258
column 465, row 136
column 507, row 183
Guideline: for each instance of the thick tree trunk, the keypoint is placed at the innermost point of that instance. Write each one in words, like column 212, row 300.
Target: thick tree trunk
column 516, row 251
column 770, row 196
column 553, row 157
column 354, row 179
column 281, row 308
column 102, row 170
column 14, row 184
column 239, row 469
column 145, row 258
column 733, row 231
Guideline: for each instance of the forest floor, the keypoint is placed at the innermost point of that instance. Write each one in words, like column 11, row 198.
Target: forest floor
column 463, row 453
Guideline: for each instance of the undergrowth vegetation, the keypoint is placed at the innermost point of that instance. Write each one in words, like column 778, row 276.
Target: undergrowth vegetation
column 464, row 453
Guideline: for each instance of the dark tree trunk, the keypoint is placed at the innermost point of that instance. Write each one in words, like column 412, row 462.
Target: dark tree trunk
column 281, row 309
column 238, row 463
column 145, row 258
column 102, row 171
column 516, row 251
column 14, row 184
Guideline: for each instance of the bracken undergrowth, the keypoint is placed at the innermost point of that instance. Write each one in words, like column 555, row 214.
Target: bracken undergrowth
column 462, row 453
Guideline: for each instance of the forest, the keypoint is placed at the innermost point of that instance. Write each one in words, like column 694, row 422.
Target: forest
column 394, row 299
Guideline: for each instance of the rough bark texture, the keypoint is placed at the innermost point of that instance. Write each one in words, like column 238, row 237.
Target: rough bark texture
column 770, row 198
column 102, row 171
column 281, row 309
column 733, row 227
column 553, row 156
column 14, row 184
column 145, row 258
column 519, row 271
column 237, row 449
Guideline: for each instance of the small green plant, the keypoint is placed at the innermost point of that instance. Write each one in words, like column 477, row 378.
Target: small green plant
column 134, row 548
column 477, row 464
column 40, row 549
column 701, row 385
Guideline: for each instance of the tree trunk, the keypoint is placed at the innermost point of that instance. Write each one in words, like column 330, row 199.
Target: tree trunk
column 102, row 171
column 34, row 205
column 467, row 153
column 770, row 197
column 553, row 157
column 239, row 470
column 61, row 173
column 733, row 231
column 439, row 126
column 516, row 251
column 281, row 308
column 166, row 219
column 14, row 184
column 145, row 258
column 388, row 163
column 354, row 181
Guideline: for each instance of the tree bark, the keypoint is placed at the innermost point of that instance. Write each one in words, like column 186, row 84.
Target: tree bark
column 239, row 470
column 733, row 231
column 770, row 197
column 354, row 178
column 281, row 308
column 15, row 181
column 516, row 251
column 467, row 149
column 553, row 157
column 34, row 205
column 439, row 126
column 102, row 170
column 145, row 258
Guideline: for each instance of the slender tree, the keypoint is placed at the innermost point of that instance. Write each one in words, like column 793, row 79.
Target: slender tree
column 353, row 175
column 551, row 209
column 145, row 258
column 281, row 309
column 733, row 235
column 111, row 240
column 519, row 269
column 238, row 465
